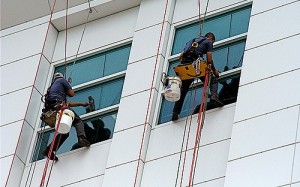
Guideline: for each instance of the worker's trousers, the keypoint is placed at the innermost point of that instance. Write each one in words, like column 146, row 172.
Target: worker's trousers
column 61, row 138
column 185, row 88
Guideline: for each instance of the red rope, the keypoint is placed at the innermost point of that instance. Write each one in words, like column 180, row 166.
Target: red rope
column 40, row 60
column 200, row 124
column 150, row 95
column 66, row 39
column 61, row 111
column 188, row 137
column 187, row 140
column 51, row 147
column 56, row 148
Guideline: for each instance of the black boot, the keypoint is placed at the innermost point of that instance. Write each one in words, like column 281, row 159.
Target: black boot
column 216, row 101
column 174, row 116
column 83, row 142
column 52, row 156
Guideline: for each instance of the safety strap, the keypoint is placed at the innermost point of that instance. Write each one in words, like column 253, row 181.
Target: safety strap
column 189, row 55
column 195, row 44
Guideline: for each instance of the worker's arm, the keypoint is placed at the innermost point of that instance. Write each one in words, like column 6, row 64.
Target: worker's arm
column 71, row 93
column 211, row 62
column 73, row 104
column 180, row 56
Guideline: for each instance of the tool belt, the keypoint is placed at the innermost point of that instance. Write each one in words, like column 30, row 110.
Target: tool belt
column 49, row 112
column 49, row 118
column 192, row 70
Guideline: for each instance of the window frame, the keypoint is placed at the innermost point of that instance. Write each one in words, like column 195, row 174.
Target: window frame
column 39, row 129
column 170, row 58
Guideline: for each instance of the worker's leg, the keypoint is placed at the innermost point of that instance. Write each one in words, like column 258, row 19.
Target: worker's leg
column 79, row 127
column 214, row 92
column 59, row 140
column 178, row 104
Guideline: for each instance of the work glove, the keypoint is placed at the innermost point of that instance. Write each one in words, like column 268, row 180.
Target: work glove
column 216, row 73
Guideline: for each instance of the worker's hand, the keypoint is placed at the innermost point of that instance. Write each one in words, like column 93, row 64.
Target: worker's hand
column 70, row 80
column 85, row 104
column 216, row 73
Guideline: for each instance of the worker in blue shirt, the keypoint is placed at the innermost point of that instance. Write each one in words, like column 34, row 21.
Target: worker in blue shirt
column 187, row 56
column 57, row 97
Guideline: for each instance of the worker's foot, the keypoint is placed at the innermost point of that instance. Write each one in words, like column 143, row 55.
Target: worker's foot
column 216, row 101
column 83, row 142
column 174, row 116
column 52, row 156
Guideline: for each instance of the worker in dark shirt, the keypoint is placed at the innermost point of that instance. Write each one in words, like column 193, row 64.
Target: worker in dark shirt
column 56, row 98
column 204, row 47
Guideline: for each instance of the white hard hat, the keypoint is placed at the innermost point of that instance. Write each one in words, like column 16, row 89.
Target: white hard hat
column 58, row 75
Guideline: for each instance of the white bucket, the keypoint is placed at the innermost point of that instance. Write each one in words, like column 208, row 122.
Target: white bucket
column 65, row 122
column 172, row 89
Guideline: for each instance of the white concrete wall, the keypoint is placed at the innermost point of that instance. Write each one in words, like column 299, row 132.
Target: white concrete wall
column 165, row 150
column 264, row 148
column 131, row 121
column 255, row 142
column 24, row 70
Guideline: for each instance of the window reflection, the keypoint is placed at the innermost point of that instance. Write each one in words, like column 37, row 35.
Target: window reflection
column 97, row 129
column 228, row 89
column 105, row 95
column 223, row 26
column 230, row 56
column 98, row 65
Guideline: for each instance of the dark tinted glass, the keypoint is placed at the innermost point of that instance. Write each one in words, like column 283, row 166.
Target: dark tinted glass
column 223, row 26
column 97, row 66
column 97, row 129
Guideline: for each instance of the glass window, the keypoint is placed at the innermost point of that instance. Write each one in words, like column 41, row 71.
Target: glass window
column 240, row 21
column 106, row 93
column 226, row 57
column 229, row 56
column 228, row 89
column 223, row 26
column 116, row 60
column 220, row 26
column 97, row 129
column 97, row 66
column 183, row 35
column 187, row 109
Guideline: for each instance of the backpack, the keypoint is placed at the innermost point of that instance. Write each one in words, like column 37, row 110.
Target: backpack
column 190, row 55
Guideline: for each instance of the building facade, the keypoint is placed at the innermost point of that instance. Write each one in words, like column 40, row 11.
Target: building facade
column 117, row 54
